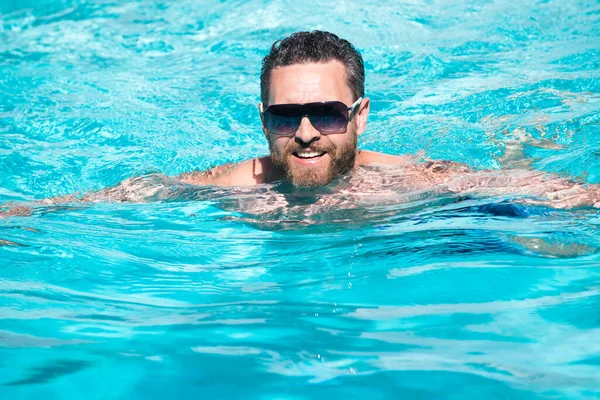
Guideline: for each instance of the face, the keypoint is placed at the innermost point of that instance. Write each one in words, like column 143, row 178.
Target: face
column 309, row 158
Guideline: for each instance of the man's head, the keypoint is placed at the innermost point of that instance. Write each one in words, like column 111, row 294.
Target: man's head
column 311, row 67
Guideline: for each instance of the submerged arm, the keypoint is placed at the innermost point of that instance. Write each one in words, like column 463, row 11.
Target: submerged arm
column 140, row 189
column 537, row 187
column 156, row 187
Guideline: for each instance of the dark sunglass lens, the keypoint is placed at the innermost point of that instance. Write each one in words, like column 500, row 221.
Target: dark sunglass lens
column 283, row 119
column 329, row 117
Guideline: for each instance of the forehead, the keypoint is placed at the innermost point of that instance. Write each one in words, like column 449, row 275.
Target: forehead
column 309, row 82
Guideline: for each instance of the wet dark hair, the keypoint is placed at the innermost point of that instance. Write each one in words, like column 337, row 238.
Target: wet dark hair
column 315, row 47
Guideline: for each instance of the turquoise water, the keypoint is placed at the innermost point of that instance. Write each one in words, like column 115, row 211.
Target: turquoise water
column 202, row 297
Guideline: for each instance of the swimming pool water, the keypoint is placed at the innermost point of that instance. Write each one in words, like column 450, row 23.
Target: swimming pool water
column 196, row 297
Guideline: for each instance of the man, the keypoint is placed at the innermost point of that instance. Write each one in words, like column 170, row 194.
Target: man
column 313, row 108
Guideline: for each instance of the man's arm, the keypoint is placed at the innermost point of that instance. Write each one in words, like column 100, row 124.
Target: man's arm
column 535, row 187
column 155, row 187
column 139, row 189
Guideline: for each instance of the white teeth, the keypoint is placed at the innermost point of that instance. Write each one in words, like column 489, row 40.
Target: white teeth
column 309, row 154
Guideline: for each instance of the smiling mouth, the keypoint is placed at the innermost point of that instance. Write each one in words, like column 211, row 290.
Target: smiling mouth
column 309, row 154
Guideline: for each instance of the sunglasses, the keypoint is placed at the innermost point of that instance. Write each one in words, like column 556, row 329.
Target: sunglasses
column 326, row 117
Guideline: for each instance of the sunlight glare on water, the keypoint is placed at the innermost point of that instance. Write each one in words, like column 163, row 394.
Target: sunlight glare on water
column 211, row 293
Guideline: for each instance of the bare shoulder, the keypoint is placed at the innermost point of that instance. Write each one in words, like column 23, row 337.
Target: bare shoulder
column 372, row 157
column 246, row 173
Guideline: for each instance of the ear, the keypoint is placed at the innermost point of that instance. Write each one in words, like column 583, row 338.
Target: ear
column 362, row 115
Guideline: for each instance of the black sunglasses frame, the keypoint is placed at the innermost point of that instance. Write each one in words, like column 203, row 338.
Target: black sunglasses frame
column 303, row 111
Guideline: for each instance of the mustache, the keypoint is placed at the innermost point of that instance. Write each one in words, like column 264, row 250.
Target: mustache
column 294, row 147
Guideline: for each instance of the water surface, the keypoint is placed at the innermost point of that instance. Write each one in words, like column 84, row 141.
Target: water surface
column 433, row 296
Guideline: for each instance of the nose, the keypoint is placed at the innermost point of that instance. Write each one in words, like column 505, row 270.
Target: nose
column 306, row 133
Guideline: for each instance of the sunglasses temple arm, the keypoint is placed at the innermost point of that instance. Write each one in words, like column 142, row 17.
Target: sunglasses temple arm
column 352, row 109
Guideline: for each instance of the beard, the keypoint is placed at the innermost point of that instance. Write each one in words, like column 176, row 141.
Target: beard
column 341, row 161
